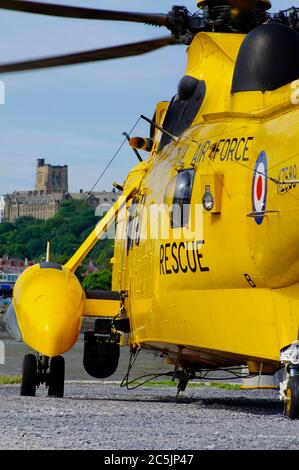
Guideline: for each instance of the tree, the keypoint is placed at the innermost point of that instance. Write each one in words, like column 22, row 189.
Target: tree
column 27, row 237
column 100, row 280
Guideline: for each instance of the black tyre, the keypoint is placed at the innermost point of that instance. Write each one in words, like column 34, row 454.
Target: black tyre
column 56, row 377
column 291, row 407
column 29, row 376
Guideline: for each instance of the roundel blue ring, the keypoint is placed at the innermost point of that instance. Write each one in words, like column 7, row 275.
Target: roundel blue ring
column 262, row 158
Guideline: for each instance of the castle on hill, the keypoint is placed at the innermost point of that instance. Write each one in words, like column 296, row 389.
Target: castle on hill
column 51, row 188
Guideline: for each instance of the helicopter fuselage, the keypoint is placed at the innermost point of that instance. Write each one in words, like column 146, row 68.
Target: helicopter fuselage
column 230, row 294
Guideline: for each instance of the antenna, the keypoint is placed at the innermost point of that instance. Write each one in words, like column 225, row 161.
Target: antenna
column 160, row 128
column 48, row 251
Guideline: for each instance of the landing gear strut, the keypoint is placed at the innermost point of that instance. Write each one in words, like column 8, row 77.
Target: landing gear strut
column 39, row 370
column 184, row 376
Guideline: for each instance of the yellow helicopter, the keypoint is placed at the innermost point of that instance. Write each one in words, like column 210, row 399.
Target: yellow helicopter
column 206, row 258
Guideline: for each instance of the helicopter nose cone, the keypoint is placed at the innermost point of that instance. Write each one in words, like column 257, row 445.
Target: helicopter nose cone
column 48, row 301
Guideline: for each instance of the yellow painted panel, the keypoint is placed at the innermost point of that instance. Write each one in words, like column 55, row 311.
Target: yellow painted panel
column 101, row 308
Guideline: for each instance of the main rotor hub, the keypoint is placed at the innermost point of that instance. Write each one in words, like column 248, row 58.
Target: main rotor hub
column 264, row 4
column 234, row 15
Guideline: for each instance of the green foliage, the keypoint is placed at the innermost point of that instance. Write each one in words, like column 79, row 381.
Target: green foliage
column 100, row 280
column 10, row 379
column 105, row 252
column 168, row 383
column 27, row 237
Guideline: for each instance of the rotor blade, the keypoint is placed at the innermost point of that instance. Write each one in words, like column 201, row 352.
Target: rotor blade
column 66, row 11
column 116, row 52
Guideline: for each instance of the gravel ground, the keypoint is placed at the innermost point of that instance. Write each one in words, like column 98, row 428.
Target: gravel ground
column 98, row 416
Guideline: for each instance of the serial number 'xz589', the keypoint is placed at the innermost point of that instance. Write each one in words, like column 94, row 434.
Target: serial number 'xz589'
column 286, row 176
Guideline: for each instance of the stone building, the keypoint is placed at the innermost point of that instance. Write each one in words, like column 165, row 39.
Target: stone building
column 51, row 189
column 96, row 198
column 31, row 203
column 53, row 179
column 2, row 206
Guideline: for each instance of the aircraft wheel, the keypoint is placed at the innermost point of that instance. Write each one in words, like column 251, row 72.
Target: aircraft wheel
column 56, row 377
column 291, row 408
column 29, row 376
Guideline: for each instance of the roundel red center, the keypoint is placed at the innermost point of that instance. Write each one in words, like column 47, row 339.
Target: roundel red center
column 259, row 187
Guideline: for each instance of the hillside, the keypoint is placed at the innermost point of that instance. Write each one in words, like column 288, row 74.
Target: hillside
column 27, row 238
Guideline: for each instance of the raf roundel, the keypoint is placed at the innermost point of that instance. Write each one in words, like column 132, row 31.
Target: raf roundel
column 259, row 188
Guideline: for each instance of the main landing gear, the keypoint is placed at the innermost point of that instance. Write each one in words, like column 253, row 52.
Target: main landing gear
column 289, row 389
column 291, row 403
column 39, row 370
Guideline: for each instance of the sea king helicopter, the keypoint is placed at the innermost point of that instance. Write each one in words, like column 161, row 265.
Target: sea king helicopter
column 220, row 295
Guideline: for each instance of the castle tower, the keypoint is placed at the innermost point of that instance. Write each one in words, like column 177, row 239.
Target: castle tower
column 51, row 178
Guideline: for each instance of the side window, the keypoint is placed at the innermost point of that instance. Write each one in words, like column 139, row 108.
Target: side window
column 134, row 222
column 182, row 198
column 131, row 223
column 139, row 220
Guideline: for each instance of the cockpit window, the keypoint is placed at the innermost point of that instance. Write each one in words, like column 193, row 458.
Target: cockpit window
column 183, row 107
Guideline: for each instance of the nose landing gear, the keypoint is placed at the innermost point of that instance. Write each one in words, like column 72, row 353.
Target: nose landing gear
column 37, row 370
column 29, row 376
column 56, row 377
